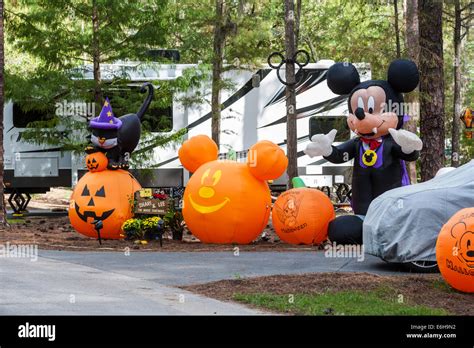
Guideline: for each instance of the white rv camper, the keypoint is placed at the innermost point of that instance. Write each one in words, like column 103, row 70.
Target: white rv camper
column 253, row 110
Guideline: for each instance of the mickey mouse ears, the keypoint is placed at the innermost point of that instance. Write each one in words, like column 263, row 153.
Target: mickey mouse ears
column 403, row 75
column 342, row 78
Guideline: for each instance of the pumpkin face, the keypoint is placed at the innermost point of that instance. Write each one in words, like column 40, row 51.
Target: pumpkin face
column 455, row 250
column 302, row 215
column 96, row 162
column 225, row 203
column 106, row 196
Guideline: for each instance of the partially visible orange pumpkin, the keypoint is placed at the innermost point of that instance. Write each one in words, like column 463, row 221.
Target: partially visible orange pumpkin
column 302, row 215
column 223, row 201
column 266, row 160
column 455, row 250
column 196, row 151
column 107, row 196
column 96, row 162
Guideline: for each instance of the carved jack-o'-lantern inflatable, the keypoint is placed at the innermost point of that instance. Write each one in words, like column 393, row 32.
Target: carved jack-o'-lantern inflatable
column 96, row 162
column 227, row 201
column 301, row 216
column 103, row 196
column 455, row 250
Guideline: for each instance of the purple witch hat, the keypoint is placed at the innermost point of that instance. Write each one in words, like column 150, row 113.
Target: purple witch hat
column 106, row 118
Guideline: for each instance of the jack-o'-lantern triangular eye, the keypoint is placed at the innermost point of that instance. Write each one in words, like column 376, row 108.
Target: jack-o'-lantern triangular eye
column 94, row 161
column 85, row 192
column 100, row 192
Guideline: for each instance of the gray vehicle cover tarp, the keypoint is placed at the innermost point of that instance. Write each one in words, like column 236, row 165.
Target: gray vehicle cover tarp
column 402, row 224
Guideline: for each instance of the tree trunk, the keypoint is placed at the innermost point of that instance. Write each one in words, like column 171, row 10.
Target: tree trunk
column 430, row 13
column 397, row 31
column 3, row 213
column 291, row 136
column 219, row 44
column 297, row 23
column 96, row 55
column 413, row 50
column 457, row 86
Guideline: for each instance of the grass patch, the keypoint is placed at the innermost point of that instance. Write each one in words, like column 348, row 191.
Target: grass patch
column 338, row 303
column 440, row 284
column 16, row 221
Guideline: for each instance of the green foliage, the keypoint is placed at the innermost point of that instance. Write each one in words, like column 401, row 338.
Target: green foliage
column 467, row 87
column 354, row 31
column 191, row 26
column 174, row 222
column 132, row 229
column 150, row 223
column 60, row 32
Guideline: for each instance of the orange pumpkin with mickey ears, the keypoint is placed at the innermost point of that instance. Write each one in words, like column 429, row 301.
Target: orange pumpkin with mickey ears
column 96, row 162
column 224, row 201
column 455, row 250
column 106, row 196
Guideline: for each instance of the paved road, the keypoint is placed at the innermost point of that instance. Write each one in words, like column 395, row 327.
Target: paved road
column 183, row 268
column 61, row 282
column 55, row 287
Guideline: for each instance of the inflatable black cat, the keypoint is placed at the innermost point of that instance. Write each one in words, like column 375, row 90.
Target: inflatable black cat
column 118, row 137
column 381, row 146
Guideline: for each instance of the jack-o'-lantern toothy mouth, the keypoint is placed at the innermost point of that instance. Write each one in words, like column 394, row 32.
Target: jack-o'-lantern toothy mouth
column 92, row 214
column 206, row 209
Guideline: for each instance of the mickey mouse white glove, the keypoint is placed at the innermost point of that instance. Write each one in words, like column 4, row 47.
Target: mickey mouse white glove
column 408, row 141
column 321, row 144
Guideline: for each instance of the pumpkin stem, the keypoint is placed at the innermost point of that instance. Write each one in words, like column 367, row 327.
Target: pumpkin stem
column 297, row 182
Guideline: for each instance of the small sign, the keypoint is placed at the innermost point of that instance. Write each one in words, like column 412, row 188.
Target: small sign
column 152, row 206
column 156, row 201
column 146, row 192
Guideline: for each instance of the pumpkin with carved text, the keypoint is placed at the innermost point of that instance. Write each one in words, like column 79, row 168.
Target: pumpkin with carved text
column 302, row 215
column 455, row 250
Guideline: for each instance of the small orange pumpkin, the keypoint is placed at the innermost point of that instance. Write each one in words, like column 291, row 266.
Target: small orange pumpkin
column 96, row 162
column 224, row 202
column 106, row 196
column 455, row 250
column 302, row 215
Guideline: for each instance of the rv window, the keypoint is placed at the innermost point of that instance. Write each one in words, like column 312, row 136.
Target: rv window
column 22, row 119
column 323, row 124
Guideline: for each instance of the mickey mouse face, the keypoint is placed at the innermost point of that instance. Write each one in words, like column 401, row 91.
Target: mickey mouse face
column 369, row 118
column 372, row 103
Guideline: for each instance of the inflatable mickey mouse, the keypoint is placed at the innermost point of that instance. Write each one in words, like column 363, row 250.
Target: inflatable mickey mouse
column 381, row 146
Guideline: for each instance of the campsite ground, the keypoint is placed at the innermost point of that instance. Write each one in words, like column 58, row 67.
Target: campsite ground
column 268, row 276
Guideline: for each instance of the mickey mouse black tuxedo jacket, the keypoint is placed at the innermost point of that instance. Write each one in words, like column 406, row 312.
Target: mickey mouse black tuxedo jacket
column 368, row 182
